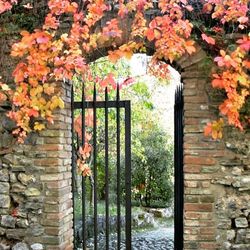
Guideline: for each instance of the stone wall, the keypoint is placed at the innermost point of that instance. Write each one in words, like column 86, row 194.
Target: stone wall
column 216, row 173
column 35, row 185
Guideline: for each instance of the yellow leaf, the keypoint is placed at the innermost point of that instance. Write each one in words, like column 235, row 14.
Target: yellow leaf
column 39, row 126
column 60, row 103
column 5, row 87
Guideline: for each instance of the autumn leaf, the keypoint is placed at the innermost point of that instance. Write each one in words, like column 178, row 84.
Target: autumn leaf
column 214, row 129
column 244, row 43
column 39, row 126
column 189, row 46
column 5, row 87
column 208, row 39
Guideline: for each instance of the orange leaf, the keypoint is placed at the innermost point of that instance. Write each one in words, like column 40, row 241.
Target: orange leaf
column 208, row 39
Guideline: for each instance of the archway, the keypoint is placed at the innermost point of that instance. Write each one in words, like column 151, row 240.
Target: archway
column 179, row 150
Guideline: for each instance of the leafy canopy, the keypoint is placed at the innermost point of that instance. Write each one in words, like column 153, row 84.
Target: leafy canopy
column 47, row 55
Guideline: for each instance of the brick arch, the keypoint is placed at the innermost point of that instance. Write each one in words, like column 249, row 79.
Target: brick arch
column 199, row 218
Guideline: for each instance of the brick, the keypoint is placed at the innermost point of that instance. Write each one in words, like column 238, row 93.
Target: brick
column 198, row 207
column 208, row 230
column 207, row 223
column 67, row 175
column 54, row 240
column 193, row 128
column 198, row 191
column 207, row 198
column 59, row 192
column 197, row 177
column 48, row 162
column 210, row 169
column 194, row 60
column 53, row 231
column 199, row 160
column 206, row 216
column 51, row 177
column 192, row 121
column 57, row 184
column 191, row 245
column 192, row 215
column 188, row 237
column 50, row 147
column 58, row 140
column 191, row 184
column 199, row 145
column 191, row 198
column 52, row 133
column 191, row 230
column 58, row 125
column 208, row 245
column 205, row 184
column 192, row 168
column 197, row 114
column 190, row 92
column 197, row 99
column 54, row 170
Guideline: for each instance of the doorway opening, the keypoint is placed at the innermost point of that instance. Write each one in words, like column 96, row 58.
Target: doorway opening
column 128, row 147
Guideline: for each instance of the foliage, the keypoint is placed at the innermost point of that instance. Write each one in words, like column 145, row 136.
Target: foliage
column 153, row 168
column 48, row 56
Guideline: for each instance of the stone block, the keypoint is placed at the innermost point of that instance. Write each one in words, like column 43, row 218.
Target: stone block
column 227, row 245
column 32, row 192
column 13, row 178
column 2, row 231
column 3, row 246
column 18, row 198
column 240, row 236
column 241, row 222
column 241, row 247
column 17, row 188
column 230, row 235
column 36, row 246
column 25, row 179
column 4, row 188
column 4, row 175
column 4, row 201
column 35, row 229
column 8, row 221
column 20, row 246
column 22, row 223
column 16, row 234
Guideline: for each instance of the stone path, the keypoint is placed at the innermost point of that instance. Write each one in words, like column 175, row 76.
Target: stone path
column 158, row 239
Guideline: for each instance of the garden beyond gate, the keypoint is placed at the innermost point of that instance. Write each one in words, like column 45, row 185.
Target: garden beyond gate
column 89, row 182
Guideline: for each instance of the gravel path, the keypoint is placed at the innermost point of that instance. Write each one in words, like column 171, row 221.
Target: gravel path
column 158, row 239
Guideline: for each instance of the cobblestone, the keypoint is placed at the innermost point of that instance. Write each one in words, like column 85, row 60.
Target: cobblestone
column 160, row 239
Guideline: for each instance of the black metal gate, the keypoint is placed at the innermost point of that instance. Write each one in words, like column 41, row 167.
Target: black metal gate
column 123, row 118
column 178, row 169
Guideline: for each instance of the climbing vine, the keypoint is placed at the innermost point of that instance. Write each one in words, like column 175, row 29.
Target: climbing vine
column 49, row 54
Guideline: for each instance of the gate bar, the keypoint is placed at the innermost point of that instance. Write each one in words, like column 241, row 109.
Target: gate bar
column 83, row 178
column 95, row 169
column 73, row 163
column 178, row 172
column 128, row 173
column 106, row 169
column 118, row 152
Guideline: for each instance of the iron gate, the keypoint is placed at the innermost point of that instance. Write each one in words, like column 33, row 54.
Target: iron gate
column 178, row 169
column 123, row 117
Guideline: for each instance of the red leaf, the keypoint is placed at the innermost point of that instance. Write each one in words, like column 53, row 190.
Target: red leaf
column 208, row 39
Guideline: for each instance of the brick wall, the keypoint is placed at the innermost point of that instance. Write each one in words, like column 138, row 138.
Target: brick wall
column 216, row 173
